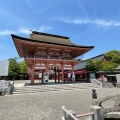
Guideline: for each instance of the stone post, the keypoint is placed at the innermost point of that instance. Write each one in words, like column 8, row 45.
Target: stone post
column 98, row 113
column 94, row 97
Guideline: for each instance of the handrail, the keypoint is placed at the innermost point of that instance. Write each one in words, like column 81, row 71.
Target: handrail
column 97, row 82
column 83, row 115
column 63, row 107
column 74, row 117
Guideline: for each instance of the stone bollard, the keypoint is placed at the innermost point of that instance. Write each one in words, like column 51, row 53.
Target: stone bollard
column 94, row 97
column 68, row 117
column 98, row 113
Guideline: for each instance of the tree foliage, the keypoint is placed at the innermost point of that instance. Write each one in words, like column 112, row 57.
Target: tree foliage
column 23, row 67
column 100, row 65
column 113, row 56
column 108, row 66
column 93, row 65
column 14, row 67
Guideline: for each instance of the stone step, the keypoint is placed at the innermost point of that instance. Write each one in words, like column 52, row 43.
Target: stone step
column 35, row 91
column 23, row 90
column 48, row 88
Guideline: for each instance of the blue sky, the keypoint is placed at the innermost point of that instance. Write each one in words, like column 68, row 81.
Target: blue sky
column 86, row 22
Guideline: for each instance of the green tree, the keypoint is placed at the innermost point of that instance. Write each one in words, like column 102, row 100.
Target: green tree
column 14, row 67
column 100, row 66
column 23, row 67
column 93, row 65
column 113, row 56
column 108, row 66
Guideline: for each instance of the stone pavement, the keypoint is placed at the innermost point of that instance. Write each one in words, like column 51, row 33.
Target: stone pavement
column 25, row 88
column 47, row 105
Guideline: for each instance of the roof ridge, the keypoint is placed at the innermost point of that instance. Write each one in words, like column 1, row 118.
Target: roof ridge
column 52, row 35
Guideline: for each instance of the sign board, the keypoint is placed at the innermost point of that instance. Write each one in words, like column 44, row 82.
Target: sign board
column 118, row 78
column 69, row 75
column 40, row 75
column 92, row 75
column 4, row 65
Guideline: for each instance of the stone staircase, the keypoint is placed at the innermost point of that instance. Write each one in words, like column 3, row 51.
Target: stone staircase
column 47, row 88
column 21, row 89
column 26, row 90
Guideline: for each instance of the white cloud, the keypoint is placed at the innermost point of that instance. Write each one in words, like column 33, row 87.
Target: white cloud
column 102, row 22
column 44, row 28
column 117, row 24
column 23, row 30
column 99, row 22
column 6, row 32
column 77, row 21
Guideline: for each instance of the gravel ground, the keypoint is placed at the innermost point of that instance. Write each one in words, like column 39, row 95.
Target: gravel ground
column 47, row 105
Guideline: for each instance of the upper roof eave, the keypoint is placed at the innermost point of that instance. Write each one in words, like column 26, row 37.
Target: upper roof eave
column 33, row 40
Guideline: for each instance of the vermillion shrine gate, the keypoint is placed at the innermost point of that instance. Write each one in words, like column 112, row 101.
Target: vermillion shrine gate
column 48, row 52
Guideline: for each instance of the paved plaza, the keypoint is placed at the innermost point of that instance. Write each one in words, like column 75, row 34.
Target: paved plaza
column 47, row 105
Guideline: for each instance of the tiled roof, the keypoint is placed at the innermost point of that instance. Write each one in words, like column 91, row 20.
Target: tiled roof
column 84, row 63
column 118, row 68
column 52, row 39
column 38, row 39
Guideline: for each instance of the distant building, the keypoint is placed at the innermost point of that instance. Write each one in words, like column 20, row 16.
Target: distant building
column 80, row 69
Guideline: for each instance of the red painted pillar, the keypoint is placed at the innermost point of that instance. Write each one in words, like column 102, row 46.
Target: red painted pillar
column 55, row 74
column 32, row 74
column 63, row 73
column 46, row 67
column 72, row 69
column 58, row 76
column 42, row 76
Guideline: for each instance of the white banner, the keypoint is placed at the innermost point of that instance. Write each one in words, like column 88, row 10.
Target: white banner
column 69, row 75
column 4, row 65
column 40, row 75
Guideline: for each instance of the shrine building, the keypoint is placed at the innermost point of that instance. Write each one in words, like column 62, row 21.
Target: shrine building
column 49, row 55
